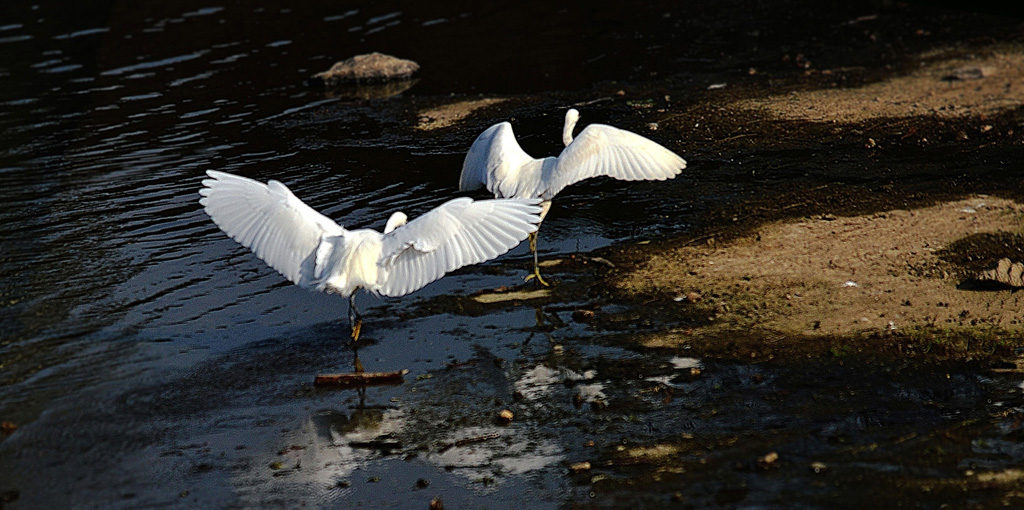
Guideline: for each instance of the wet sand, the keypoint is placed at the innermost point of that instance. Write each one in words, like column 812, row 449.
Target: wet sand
column 949, row 84
column 829, row 276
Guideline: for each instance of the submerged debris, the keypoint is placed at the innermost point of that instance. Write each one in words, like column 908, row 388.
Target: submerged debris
column 1006, row 272
column 469, row 440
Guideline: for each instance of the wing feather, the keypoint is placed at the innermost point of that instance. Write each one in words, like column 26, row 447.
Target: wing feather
column 269, row 220
column 602, row 150
column 496, row 161
column 455, row 234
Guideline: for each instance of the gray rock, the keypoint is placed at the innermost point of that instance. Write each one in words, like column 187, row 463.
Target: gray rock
column 367, row 69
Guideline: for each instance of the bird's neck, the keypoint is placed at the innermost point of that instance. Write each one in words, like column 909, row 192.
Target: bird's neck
column 571, row 118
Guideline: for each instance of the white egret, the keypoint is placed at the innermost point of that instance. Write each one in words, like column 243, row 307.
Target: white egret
column 497, row 162
column 314, row 252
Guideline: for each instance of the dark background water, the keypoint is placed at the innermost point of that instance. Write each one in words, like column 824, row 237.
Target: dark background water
column 148, row 360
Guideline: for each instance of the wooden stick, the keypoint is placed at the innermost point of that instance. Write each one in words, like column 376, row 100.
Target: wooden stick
column 350, row 379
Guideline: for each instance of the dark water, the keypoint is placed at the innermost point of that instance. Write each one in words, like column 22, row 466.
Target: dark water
column 148, row 360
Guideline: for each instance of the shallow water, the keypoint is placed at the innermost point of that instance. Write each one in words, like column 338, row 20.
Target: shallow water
column 148, row 360
column 111, row 116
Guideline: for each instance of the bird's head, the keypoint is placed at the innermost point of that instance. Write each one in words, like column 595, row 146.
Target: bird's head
column 396, row 220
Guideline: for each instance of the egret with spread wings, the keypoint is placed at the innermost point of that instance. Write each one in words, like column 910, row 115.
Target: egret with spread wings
column 497, row 162
column 314, row 252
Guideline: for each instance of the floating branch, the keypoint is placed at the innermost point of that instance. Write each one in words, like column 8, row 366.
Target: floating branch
column 351, row 379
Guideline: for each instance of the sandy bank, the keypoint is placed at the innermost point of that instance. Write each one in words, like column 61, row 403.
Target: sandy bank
column 838, row 275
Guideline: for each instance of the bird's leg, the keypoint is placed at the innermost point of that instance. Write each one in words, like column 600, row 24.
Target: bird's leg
column 536, row 263
column 356, row 323
column 357, row 364
column 354, row 320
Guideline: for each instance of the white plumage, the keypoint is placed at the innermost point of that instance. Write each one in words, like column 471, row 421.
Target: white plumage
column 497, row 162
column 314, row 252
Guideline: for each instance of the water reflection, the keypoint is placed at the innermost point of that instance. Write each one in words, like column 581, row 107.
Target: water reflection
column 487, row 455
column 332, row 445
column 371, row 91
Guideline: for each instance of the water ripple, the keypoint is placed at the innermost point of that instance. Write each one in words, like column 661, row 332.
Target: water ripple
column 206, row 11
column 80, row 33
column 15, row 38
column 154, row 63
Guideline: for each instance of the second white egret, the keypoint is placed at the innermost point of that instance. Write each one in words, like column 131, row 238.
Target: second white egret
column 314, row 252
column 497, row 162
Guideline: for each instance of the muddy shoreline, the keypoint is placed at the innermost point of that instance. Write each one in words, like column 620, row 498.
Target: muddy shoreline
column 757, row 264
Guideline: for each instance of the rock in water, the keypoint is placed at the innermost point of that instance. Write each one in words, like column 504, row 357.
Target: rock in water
column 365, row 69
column 1006, row 272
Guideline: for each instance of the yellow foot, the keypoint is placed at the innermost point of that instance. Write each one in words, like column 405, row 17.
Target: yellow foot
column 356, row 329
column 539, row 279
column 357, row 366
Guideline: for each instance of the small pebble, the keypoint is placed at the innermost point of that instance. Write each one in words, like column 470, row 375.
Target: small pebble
column 583, row 315
column 579, row 467
column 690, row 297
column 768, row 460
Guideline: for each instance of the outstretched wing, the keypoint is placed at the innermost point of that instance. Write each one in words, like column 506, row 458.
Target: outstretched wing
column 602, row 150
column 455, row 234
column 497, row 162
column 269, row 220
